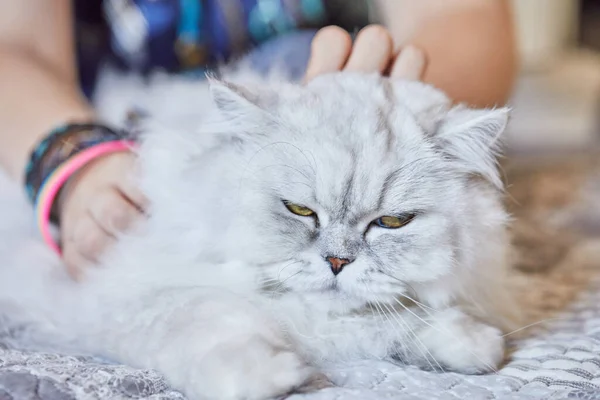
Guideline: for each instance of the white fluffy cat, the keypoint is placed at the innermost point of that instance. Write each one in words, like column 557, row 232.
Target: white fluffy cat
column 293, row 226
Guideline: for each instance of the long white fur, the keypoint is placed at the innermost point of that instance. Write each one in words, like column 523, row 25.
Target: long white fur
column 205, row 292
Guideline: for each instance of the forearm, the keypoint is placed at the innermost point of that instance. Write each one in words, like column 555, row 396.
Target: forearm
column 469, row 44
column 34, row 100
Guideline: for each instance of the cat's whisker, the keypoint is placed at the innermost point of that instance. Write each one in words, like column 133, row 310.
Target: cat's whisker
column 314, row 161
column 466, row 294
column 286, row 266
column 300, row 183
column 474, row 302
column 275, row 283
column 271, row 286
column 406, row 350
column 287, row 182
column 379, row 320
column 244, row 174
column 382, row 314
column 269, row 282
column 394, row 311
column 377, row 317
column 446, row 331
column 313, row 167
column 276, row 290
column 421, row 305
column 532, row 325
column 387, row 318
column 410, row 164
column 419, row 344
column 266, row 280
column 286, row 166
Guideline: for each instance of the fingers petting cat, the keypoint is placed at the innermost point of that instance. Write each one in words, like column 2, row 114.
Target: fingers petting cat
column 372, row 51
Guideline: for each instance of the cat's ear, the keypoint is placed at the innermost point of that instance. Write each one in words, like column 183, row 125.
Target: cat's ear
column 231, row 98
column 244, row 112
column 472, row 139
column 467, row 136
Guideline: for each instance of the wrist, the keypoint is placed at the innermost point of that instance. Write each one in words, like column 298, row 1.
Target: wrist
column 57, row 147
column 56, row 181
column 56, row 162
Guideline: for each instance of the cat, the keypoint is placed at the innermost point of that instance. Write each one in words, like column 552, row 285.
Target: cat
column 292, row 226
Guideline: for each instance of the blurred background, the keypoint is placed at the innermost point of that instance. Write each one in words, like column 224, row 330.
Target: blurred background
column 557, row 99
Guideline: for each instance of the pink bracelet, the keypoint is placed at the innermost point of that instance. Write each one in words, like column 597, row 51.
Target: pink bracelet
column 59, row 177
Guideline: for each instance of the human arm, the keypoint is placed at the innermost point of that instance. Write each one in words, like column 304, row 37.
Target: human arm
column 39, row 92
column 469, row 44
column 464, row 47
column 38, row 79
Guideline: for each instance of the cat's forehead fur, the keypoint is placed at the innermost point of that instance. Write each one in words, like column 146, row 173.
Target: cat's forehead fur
column 369, row 119
column 360, row 109
column 351, row 144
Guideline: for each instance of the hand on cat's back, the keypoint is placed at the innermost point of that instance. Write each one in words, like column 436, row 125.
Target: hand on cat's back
column 372, row 51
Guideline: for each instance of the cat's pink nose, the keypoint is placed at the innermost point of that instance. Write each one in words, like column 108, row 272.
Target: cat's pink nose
column 337, row 264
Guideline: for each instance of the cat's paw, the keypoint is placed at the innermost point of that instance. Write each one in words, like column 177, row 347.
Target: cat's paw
column 458, row 343
column 250, row 369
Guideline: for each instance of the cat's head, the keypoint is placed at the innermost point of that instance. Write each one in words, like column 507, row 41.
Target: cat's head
column 354, row 185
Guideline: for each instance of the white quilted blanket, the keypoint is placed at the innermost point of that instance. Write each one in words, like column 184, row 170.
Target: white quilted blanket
column 560, row 361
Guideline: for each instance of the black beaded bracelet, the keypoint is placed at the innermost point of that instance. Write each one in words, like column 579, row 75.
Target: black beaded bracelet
column 60, row 145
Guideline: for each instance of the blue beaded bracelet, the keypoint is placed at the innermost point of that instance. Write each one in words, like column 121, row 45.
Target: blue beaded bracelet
column 60, row 145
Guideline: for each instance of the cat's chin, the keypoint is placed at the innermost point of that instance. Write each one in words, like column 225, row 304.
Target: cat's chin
column 331, row 289
column 351, row 297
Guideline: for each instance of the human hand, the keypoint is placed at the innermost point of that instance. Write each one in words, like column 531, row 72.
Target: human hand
column 373, row 51
column 98, row 203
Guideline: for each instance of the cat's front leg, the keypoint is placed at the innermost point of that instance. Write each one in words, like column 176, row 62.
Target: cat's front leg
column 454, row 341
column 446, row 340
column 210, row 345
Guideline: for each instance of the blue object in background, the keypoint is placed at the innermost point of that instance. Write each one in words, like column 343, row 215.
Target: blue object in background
column 189, row 36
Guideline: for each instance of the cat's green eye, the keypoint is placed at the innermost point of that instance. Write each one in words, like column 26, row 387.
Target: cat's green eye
column 390, row 222
column 299, row 210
